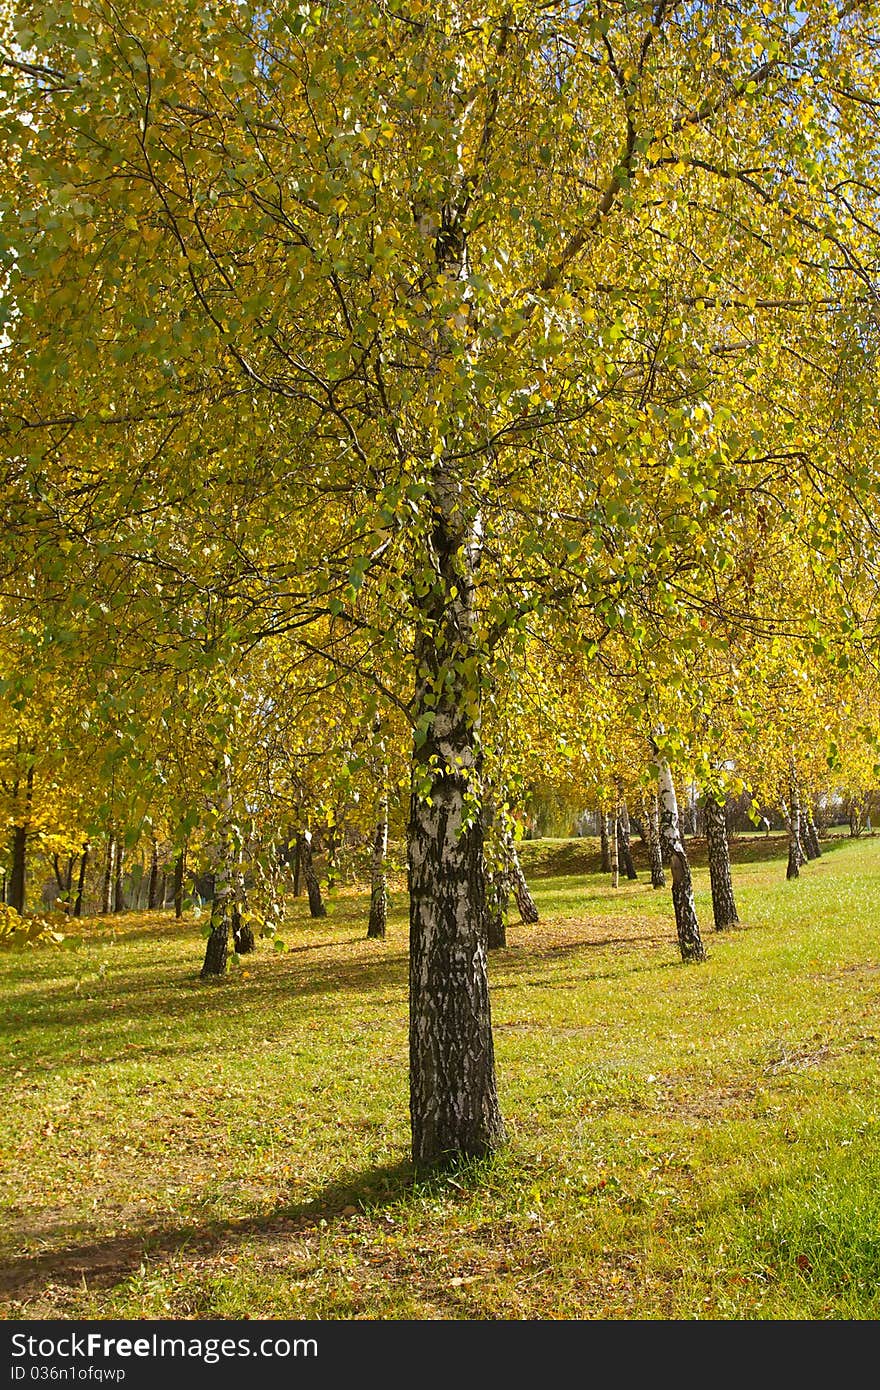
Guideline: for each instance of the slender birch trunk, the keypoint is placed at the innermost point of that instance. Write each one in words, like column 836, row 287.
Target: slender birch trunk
column 297, row 866
column 217, row 945
column 378, row 922
column 525, row 903
column 179, row 871
column 224, row 886
column 723, row 904
column 18, row 871
column 615, row 848
column 604, row 840
column 652, row 824
column 107, row 882
column 810, row 836
column 624, row 850
column 313, row 887
column 153, row 891
column 497, row 898
column 689, row 940
column 119, row 885
column 242, row 931
column 796, row 854
column 18, row 874
column 81, row 883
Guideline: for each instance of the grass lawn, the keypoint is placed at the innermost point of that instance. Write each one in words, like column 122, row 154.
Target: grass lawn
column 685, row 1141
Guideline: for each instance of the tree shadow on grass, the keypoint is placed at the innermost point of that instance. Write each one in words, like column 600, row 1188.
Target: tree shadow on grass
column 110, row 1259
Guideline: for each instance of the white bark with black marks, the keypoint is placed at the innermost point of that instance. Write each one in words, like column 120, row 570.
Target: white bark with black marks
column 313, row 887
column 792, row 815
column 153, row 890
column 723, row 903
column 525, row 903
column 652, row 825
column 604, row 841
column 217, row 946
column 119, row 887
column 454, row 1108
column 690, row 942
column 810, row 836
column 378, row 922
column 624, row 851
column 107, row 882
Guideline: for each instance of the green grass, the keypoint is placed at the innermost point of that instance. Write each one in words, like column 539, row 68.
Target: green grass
column 685, row 1142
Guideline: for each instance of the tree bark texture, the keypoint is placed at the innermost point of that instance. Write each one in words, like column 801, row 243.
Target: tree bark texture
column 107, row 881
column 179, row 871
column 690, row 942
column 525, row 903
column 81, row 883
column 652, row 823
column 624, row 850
column 119, row 886
column 21, row 828
column 224, row 886
column 153, row 890
column 242, row 931
column 313, row 887
column 297, row 866
column 497, row 897
column 378, row 922
column 454, row 1108
column 796, row 854
column 222, row 904
column 615, row 849
column 723, row 904
column 604, row 841
column 18, row 872
column 810, row 836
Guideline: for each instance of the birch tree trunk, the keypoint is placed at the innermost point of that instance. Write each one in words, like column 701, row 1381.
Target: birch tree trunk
column 615, row 848
column 297, row 866
column 68, row 882
column 723, row 904
column 378, row 922
column 18, row 871
column 242, row 931
column 497, row 897
column 179, row 871
column 604, row 844
column 525, row 903
column 118, row 888
column 624, row 850
column 689, row 940
column 20, row 832
column 217, row 946
column 153, row 890
column 810, row 836
column 454, row 1107
column 224, row 884
column 107, row 882
column 313, row 887
column 81, row 883
column 652, row 825
column 792, row 813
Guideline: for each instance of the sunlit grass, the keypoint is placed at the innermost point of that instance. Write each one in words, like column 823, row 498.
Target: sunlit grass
column 693, row 1141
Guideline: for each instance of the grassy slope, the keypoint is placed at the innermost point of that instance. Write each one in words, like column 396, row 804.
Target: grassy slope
column 685, row 1141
